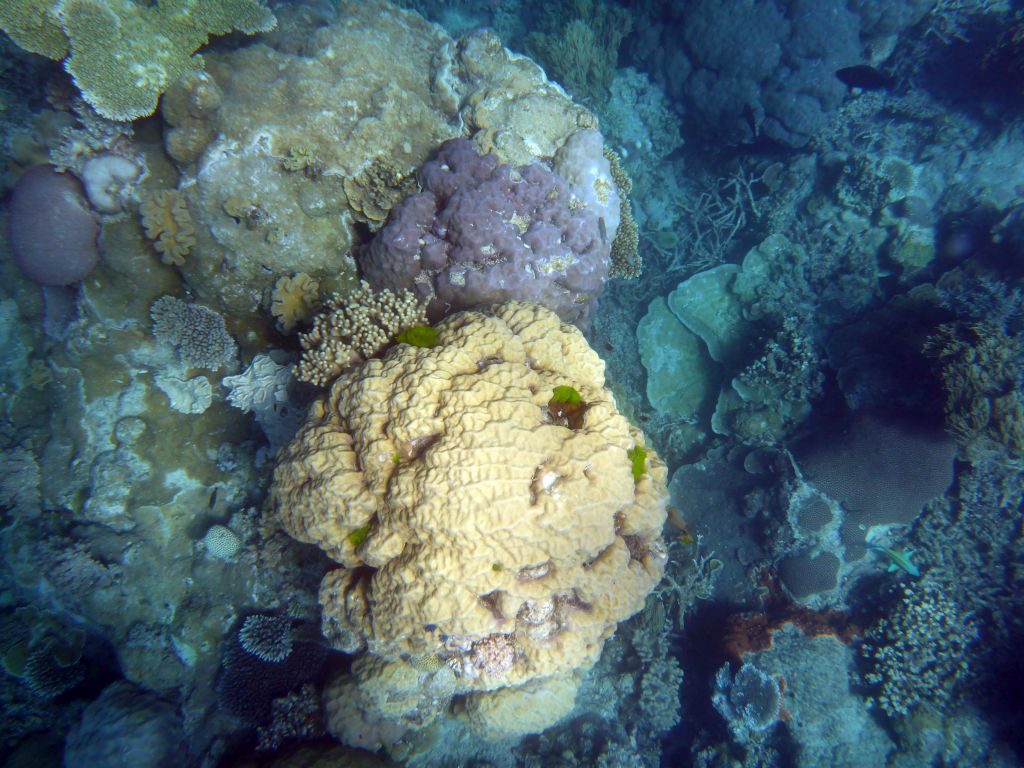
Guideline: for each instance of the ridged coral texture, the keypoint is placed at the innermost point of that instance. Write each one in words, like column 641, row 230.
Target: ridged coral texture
column 469, row 523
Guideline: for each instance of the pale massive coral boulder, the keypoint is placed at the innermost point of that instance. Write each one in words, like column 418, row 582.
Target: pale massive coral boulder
column 476, row 532
column 286, row 149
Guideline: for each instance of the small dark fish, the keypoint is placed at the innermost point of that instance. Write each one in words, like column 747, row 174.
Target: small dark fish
column 602, row 229
column 863, row 76
column 213, row 497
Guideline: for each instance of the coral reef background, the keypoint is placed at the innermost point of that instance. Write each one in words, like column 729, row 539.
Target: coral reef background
column 512, row 383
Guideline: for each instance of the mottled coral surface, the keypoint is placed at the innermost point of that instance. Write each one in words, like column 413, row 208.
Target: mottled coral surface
column 482, row 232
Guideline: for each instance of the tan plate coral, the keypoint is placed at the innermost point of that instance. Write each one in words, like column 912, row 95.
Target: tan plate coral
column 470, row 524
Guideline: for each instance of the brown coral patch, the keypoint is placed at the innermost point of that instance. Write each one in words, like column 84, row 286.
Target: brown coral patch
column 353, row 328
column 168, row 223
column 377, row 189
column 751, row 631
column 294, row 300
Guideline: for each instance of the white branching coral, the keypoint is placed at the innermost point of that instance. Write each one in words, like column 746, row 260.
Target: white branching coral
column 262, row 389
column 919, row 653
column 353, row 328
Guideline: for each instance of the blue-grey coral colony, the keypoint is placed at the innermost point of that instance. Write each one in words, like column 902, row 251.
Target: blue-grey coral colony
column 512, row 383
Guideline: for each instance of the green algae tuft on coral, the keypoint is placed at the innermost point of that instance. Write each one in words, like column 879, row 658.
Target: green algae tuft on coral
column 123, row 55
column 638, row 460
column 422, row 336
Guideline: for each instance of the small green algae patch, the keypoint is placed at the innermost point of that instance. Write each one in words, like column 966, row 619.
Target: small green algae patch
column 566, row 394
column 358, row 536
column 419, row 336
column 638, row 458
column 567, row 407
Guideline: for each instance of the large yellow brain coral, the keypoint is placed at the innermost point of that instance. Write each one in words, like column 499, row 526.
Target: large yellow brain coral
column 469, row 524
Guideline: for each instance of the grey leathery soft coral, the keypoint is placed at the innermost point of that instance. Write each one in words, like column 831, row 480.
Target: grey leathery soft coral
column 127, row 725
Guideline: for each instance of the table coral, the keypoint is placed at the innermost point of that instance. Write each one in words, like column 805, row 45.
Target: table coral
column 34, row 26
column 468, row 524
column 123, row 55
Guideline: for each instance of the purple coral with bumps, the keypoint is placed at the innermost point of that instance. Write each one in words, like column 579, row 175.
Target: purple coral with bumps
column 482, row 232
column 52, row 230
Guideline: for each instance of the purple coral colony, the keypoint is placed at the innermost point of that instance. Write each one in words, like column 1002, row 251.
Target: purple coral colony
column 512, row 384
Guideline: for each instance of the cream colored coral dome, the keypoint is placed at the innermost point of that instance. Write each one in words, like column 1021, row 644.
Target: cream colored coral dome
column 468, row 522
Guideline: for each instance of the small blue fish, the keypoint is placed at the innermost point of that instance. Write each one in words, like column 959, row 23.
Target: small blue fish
column 898, row 560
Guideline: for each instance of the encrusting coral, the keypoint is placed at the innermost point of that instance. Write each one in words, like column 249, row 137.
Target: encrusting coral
column 353, row 328
column 256, row 110
column 376, row 189
column 470, row 524
column 124, row 54
column 197, row 332
column 293, row 300
column 626, row 260
column 168, row 223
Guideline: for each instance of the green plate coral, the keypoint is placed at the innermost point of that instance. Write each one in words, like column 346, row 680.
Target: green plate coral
column 124, row 54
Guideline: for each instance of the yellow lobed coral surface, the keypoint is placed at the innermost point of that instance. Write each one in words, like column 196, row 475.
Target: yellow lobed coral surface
column 516, row 712
column 468, row 522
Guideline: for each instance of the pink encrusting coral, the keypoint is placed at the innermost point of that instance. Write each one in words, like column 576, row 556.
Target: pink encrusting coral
column 482, row 232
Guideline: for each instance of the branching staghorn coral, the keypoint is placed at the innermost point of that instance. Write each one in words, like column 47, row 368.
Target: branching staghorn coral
column 353, row 328
column 705, row 227
column 920, row 652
